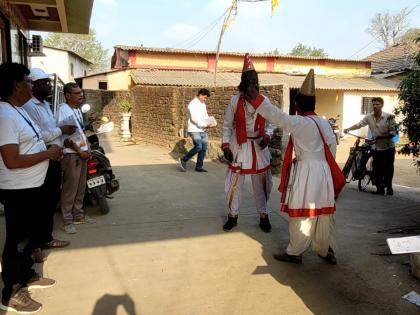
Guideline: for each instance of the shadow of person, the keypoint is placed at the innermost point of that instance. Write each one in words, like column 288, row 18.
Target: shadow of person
column 108, row 305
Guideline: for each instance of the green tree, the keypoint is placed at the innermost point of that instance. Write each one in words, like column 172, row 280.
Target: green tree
column 86, row 46
column 273, row 52
column 410, row 110
column 302, row 50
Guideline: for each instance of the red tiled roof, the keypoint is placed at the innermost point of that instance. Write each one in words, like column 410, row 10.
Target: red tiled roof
column 224, row 53
column 399, row 57
column 224, row 79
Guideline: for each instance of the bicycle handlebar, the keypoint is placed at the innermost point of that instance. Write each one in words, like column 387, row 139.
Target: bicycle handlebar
column 368, row 141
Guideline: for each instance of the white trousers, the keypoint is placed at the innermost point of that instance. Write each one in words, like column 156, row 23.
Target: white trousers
column 234, row 186
column 318, row 230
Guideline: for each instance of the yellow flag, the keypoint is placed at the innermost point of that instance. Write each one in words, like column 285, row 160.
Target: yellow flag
column 274, row 3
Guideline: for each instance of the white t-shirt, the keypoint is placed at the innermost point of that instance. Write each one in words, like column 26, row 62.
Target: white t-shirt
column 15, row 130
column 72, row 116
column 197, row 115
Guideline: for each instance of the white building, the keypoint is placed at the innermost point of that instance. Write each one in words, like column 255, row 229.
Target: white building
column 66, row 64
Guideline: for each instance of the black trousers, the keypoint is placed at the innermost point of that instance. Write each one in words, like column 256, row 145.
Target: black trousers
column 52, row 188
column 21, row 210
column 383, row 168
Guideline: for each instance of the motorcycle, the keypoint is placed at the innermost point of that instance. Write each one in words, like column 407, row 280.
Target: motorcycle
column 335, row 128
column 100, row 181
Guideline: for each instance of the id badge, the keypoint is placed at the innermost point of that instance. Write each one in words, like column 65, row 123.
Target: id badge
column 41, row 145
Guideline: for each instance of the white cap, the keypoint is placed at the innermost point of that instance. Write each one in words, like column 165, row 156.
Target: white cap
column 39, row 74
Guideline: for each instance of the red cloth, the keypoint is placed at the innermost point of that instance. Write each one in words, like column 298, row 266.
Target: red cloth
column 241, row 119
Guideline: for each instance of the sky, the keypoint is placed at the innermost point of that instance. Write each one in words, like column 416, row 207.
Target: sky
column 337, row 26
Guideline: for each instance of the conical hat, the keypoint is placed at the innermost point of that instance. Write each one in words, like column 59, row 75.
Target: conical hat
column 308, row 86
column 247, row 63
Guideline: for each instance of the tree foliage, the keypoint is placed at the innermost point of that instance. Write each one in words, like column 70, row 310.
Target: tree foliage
column 387, row 27
column 302, row 50
column 409, row 95
column 86, row 46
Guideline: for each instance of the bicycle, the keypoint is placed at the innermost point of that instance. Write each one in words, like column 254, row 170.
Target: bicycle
column 359, row 163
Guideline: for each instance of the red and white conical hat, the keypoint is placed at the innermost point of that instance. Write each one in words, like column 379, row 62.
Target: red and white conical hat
column 248, row 63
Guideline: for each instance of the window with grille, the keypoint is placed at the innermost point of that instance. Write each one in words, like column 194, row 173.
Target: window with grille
column 366, row 105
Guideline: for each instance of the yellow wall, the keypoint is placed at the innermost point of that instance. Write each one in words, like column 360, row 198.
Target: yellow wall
column 330, row 104
column 302, row 67
column 237, row 63
column 118, row 80
column 172, row 60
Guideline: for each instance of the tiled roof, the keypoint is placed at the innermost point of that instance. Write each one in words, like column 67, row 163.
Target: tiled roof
column 224, row 53
column 399, row 57
column 206, row 78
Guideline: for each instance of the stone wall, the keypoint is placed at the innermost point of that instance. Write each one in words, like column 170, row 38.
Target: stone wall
column 160, row 114
column 105, row 103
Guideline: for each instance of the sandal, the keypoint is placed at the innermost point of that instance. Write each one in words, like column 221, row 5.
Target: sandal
column 55, row 244
column 330, row 258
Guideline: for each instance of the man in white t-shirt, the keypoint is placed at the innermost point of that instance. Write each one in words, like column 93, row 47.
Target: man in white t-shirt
column 197, row 124
column 74, row 163
column 23, row 167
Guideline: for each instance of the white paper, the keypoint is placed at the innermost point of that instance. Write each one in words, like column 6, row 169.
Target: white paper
column 404, row 245
column 211, row 121
column 70, row 120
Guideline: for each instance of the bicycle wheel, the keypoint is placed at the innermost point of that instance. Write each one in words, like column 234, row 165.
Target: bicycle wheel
column 347, row 167
column 364, row 181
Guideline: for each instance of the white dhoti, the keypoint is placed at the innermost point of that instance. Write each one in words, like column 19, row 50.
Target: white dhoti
column 261, row 186
column 317, row 230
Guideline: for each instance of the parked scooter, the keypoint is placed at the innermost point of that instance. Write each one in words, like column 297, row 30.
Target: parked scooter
column 100, row 182
column 335, row 128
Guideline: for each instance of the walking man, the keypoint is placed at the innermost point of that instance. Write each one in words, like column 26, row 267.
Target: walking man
column 245, row 136
column 306, row 182
column 198, row 122
column 384, row 129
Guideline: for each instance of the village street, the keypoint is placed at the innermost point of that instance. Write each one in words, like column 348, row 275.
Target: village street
column 161, row 250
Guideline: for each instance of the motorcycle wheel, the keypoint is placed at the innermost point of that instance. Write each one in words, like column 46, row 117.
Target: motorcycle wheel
column 364, row 181
column 103, row 205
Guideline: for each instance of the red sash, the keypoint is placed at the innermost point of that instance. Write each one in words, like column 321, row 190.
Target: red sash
column 241, row 119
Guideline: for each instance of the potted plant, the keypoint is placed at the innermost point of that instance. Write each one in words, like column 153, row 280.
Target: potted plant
column 125, row 105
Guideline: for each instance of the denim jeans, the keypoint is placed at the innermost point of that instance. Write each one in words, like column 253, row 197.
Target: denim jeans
column 200, row 140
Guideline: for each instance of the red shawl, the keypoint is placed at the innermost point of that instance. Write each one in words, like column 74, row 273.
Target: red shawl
column 241, row 119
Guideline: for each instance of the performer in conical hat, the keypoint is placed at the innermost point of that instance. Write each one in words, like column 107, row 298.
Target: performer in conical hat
column 306, row 183
column 245, row 136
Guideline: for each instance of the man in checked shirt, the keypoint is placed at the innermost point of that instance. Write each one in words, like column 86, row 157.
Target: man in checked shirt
column 383, row 128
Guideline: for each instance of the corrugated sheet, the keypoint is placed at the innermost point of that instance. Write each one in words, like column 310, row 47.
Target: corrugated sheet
column 206, row 78
column 224, row 53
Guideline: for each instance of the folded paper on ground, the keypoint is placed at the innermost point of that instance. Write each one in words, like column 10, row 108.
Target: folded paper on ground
column 404, row 245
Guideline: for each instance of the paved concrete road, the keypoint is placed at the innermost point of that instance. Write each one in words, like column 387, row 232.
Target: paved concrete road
column 161, row 250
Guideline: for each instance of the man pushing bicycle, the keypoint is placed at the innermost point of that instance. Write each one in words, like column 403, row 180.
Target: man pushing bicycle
column 383, row 128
